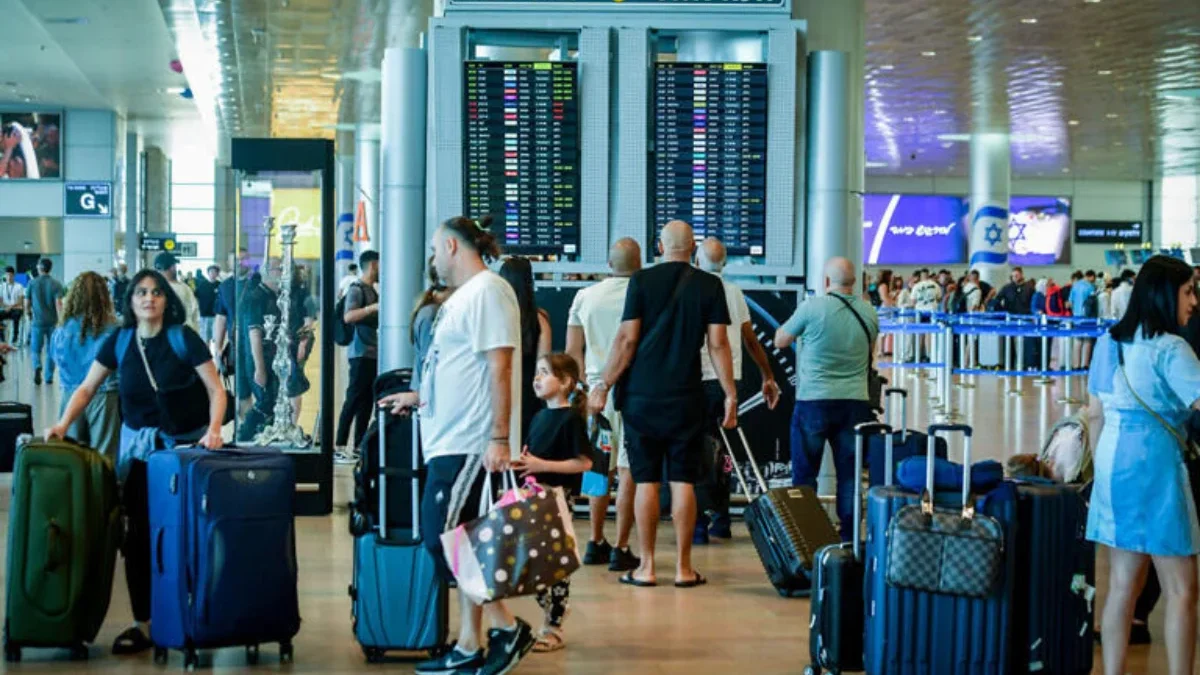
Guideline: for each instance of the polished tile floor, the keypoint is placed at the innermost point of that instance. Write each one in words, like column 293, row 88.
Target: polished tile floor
column 735, row 624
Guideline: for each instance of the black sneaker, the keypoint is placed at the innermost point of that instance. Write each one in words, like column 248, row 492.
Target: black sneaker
column 623, row 560
column 597, row 554
column 37, row 376
column 452, row 661
column 506, row 648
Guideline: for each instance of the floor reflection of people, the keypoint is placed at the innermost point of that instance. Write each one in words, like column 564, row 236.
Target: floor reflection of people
column 302, row 319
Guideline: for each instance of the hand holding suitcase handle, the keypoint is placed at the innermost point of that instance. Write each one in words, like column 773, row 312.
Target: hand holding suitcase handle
column 861, row 432
column 968, row 508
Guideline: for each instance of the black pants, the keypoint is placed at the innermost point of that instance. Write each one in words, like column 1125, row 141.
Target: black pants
column 13, row 315
column 359, row 401
column 712, row 493
column 1149, row 597
column 136, row 550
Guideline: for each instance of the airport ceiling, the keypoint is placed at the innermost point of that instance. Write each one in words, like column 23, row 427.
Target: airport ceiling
column 1090, row 89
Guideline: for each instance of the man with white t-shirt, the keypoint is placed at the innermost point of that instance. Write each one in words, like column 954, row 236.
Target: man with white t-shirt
column 713, row 503
column 592, row 325
column 12, row 304
column 469, row 409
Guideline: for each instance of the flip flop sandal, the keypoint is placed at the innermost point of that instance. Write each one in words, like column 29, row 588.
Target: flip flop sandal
column 698, row 581
column 132, row 641
column 629, row 580
column 549, row 640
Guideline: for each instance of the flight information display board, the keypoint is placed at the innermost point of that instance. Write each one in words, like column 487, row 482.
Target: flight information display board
column 709, row 162
column 521, row 153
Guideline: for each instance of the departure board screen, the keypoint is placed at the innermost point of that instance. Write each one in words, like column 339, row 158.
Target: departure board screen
column 521, row 153
column 709, row 161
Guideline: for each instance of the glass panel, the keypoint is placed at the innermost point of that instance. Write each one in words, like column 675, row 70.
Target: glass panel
column 193, row 222
column 205, row 251
column 275, row 323
column 193, row 196
column 195, row 170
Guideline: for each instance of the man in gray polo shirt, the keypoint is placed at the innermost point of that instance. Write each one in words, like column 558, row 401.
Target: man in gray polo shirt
column 836, row 334
column 44, row 300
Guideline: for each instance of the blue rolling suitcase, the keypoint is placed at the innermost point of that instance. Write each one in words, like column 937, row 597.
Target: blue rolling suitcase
column 223, row 552
column 1055, row 582
column 399, row 602
column 905, row 442
column 911, row 632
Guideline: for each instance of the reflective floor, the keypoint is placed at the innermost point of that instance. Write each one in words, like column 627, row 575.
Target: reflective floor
column 736, row 622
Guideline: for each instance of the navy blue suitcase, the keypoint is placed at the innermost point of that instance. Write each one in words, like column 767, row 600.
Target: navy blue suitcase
column 223, row 552
column 1055, row 582
column 912, row 632
column 905, row 442
column 399, row 602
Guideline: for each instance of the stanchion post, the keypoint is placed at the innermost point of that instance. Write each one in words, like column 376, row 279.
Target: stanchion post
column 949, row 413
column 1068, row 348
column 1017, row 391
column 1045, row 377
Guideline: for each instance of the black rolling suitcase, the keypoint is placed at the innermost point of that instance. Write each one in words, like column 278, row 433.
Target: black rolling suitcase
column 788, row 526
column 16, row 419
column 838, row 624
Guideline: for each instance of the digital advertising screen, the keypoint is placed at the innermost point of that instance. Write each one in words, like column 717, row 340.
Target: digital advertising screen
column 30, row 146
column 708, row 166
column 1039, row 231
column 914, row 229
column 1116, row 258
column 521, row 153
column 1108, row 231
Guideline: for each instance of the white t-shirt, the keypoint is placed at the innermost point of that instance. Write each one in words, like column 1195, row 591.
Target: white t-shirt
column 456, row 400
column 739, row 314
column 11, row 294
column 597, row 310
column 191, row 309
column 1120, row 300
column 926, row 294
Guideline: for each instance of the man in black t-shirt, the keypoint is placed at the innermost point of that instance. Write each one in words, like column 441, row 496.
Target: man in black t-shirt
column 669, row 310
column 257, row 308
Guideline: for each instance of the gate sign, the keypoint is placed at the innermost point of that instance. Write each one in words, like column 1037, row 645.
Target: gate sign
column 153, row 243
column 88, row 200
column 187, row 249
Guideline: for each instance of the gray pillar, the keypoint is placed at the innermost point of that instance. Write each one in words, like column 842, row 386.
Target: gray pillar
column 366, row 183
column 158, row 195
column 344, row 202
column 830, row 225
column 224, row 215
column 402, row 210
column 990, row 188
column 133, row 201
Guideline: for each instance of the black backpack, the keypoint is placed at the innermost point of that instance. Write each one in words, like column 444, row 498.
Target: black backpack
column 343, row 333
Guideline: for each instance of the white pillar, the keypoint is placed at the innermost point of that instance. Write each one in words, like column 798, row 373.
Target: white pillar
column 366, row 184
column 990, row 188
column 344, row 202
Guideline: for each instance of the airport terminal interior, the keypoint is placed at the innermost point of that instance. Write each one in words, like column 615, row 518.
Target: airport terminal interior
column 996, row 187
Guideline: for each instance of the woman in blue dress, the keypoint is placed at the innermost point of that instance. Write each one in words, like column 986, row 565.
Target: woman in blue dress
column 1142, row 507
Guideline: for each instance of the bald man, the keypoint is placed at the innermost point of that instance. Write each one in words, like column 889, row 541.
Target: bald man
column 592, row 326
column 670, row 309
column 837, row 333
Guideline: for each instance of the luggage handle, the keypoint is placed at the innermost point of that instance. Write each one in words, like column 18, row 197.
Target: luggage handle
column 903, row 425
column 158, row 550
column 54, row 546
column 861, row 432
column 968, row 508
column 383, row 477
column 762, row 482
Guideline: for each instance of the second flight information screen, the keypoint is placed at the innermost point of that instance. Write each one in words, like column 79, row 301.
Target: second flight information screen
column 521, row 153
column 709, row 163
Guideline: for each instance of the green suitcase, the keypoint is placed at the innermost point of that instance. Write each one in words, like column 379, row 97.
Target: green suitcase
column 64, row 528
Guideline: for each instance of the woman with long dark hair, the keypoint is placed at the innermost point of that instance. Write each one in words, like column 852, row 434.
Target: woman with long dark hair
column 170, row 394
column 535, row 333
column 1147, row 379
column 87, row 321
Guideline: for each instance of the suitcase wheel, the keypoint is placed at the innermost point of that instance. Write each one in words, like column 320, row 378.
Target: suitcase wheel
column 12, row 653
column 373, row 655
column 252, row 654
column 191, row 659
column 79, row 653
column 812, row 670
column 161, row 655
column 286, row 653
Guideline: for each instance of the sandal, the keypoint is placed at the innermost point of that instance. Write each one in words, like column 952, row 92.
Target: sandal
column 132, row 641
column 549, row 640
column 630, row 580
column 699, row 580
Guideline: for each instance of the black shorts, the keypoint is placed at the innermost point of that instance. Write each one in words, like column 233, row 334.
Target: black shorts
column 665, row 439
column 452, row 490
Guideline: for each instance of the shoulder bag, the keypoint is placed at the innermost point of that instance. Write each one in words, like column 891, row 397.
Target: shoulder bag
column 1191, row 456
column 875, row 381
column 178, row 409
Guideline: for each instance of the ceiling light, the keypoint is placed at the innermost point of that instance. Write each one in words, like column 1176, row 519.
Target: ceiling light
column 947, row 145
column 1066, row 170
column 875, row 165
column 1091, row 2
column 954, row 137
column 172, row 90
column 939, row 111
column 66, row 21
column 974, row 38
column 1073, row 123
column 1104, row 72
column 887, row 66
column 1030, row 20
column 1191, row 93
column 929, row 54
column 1112, row 116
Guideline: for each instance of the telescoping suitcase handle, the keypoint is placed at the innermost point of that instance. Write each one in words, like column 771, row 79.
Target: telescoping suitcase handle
column 861, row 432
column 890, row 417
column 382, row 480
column 931, row 455
column 762, row 483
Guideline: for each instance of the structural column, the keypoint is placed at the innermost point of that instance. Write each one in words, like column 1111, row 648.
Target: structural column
column 366, row 188
column 225, row 194
column 990, row 187
column 133, row 201
column 344, row 202
column 402, row 212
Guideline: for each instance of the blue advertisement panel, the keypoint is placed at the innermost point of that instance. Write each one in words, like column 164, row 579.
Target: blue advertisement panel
column 1039, row 230
column 914, row 229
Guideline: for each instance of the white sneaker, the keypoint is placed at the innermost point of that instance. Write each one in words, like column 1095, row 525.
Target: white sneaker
column 345, row 457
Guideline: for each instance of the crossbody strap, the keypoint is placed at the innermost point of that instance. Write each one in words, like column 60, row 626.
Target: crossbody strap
column 670, row 306
column 1178, row 437
column 146, row 363
column 866, row 331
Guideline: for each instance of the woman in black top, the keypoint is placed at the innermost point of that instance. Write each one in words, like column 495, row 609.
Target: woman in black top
column 158, row 348
column 535, row 333
column 557, row 452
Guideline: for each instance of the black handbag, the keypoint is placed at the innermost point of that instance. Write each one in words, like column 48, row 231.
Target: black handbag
column 875, row 381
column 942, row 550
column 178, row 408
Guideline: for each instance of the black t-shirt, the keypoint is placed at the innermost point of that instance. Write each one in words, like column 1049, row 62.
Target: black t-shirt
column 256, row 305
column 667, row 362
column 206, row 297
column 559, row 434
column 138, row 407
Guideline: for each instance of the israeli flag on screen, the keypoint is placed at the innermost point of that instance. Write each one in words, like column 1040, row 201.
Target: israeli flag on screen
column 989, row 236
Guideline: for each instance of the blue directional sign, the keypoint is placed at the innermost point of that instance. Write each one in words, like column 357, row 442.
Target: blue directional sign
column 88, row 200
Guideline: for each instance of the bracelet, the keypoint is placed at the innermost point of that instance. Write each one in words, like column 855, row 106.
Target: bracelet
column 499, row 439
